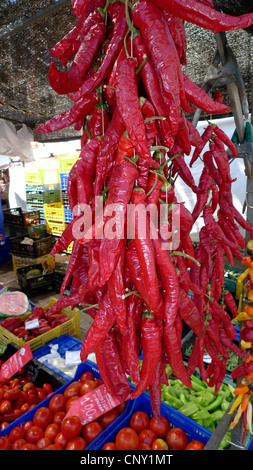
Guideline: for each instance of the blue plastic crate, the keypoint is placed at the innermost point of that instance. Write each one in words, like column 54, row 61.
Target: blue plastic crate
column 64, row 181
column 88, row 366
column 175, row 418
column 67, row 214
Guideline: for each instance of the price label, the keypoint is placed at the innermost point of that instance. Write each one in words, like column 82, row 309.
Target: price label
column 16, row 362
column 92, row 405
column 31, row 324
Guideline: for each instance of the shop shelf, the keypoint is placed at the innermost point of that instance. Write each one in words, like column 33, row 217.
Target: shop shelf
column 38, row 248
column 175, row 418
column 66, row 162
column 64, row 181
column 70, row 327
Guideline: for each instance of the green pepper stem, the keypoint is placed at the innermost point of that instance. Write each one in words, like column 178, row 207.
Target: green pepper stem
column 128, row 19
column 185, row 255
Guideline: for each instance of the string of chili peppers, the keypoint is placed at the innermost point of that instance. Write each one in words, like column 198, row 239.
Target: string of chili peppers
column 120, row 66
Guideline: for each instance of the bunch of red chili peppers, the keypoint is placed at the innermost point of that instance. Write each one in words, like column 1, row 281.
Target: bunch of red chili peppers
column 120, row 66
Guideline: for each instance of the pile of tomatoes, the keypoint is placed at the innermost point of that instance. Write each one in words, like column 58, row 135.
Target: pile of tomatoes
column 51, row 429
column 145, row 433
column 18, row 395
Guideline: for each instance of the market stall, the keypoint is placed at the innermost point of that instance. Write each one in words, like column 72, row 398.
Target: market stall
column 166, row 363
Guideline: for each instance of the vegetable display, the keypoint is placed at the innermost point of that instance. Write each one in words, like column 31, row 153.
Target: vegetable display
column 51, row 429
column 130, row 100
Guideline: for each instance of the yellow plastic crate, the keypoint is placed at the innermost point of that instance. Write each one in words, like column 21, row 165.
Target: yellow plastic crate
column 38, row 177
column 55, row 228
column 54, row 212
column 70, row 327
column 66, row 162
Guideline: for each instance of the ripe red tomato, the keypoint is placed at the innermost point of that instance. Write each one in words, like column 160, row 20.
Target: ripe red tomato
column 87, row 375
column 92, row 430
column 127, row 439
column 25, row 407
column 43, row 417
column 18, row 444
column 61, row 440
column 195, row 445
column 33, row 434
column 121, row 408
column 28, row 386
column 5, row 406
column 72, row 389
column 107, row 418
column 43, row 443
column 51, row 431
column 139, row 421
column 143, row 446
column 159, row 444
column 28, row 425
column 47, row 388
column 147, row 436
column 159, row 425
column 5, row 443
column 176, row 439
column 53, row 447
column 87, row 386
column 58, row 417
column 57, row 402
column 109, row 446
column 28, row 446
column 70, row 402
column 16, row 433
column 78, row 443
column 71, row 427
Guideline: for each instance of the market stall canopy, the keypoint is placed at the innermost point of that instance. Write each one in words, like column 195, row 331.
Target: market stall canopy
column 29, row 29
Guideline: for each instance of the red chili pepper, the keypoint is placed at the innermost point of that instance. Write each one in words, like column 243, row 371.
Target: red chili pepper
column 151, row 344
column 239, row 237
column 184, row 277
column 82, row 8
column 151, row 22
column 242, row 370
column 121, row 185
column 86, row 169
column 205, row 137
column 191, row 315
column 202, row 15
column 126, row 86
column 215, row 197
column 205, row 184
column 116, row 13
column 116, row 288
column 229, row 234
column 213, row 331
column 98, row 121
column 221, row 160
column 182, row 137
column 11, row 323
column 174, row 354
column 134, row 309
column 211, row 168
column 214, row 229
column 194, row 135
column 105, row 157
column 72, row 187
column 125, row 148
column 228, row 343
column 219, row 314
column 218, row 273
column 69, row 117
column 225, row 139
column 112, row 372
column 148, row 112
column 177, row 30
column 199, row 98
column 230, row 302
column 72, row 264
column 103, row 322
column 152, row 86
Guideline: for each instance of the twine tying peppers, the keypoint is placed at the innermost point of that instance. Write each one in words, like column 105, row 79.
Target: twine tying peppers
column 120, row 66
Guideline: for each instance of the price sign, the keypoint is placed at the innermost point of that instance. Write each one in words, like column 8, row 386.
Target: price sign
column 92, row 405
column 16, row 362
